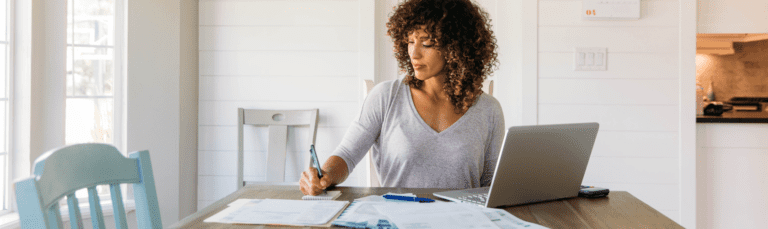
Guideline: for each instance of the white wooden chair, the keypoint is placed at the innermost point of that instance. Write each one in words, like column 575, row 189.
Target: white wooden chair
column 489, row 88
column 278, row 122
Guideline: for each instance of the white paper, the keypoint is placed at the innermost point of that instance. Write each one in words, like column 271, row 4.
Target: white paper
column 329, row 195
column 364, row 214
column 505, row 220
column 434, row 215
column 274, row 211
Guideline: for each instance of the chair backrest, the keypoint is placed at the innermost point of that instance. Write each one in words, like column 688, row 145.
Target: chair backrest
column 278, row 122
column 489, row 88
column 60, row 172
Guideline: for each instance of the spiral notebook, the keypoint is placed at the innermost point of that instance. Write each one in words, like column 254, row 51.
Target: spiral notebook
column 330, row 195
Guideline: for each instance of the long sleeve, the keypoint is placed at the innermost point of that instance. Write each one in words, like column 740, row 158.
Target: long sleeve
column 409, row 153
column 366, row 129
column 494, row 147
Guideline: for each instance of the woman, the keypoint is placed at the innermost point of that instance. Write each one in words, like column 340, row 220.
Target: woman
column 435, row 128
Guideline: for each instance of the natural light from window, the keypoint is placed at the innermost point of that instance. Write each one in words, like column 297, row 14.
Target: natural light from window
column 91, row 74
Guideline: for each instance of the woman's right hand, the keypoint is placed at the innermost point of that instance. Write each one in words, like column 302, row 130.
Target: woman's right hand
column 313, row 185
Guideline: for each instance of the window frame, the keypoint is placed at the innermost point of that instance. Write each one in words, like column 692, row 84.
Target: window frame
column 118, row 94
column 8, row 205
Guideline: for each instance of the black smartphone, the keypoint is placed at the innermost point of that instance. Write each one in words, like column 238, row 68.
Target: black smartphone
column 593, row 192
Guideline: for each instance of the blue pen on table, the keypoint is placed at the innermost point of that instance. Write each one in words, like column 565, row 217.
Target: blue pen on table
column 408, row 198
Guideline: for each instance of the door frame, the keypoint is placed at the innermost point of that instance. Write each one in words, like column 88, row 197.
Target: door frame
column 687, row 105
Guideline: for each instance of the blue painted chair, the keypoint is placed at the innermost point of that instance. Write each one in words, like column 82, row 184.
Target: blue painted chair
column 61, row 172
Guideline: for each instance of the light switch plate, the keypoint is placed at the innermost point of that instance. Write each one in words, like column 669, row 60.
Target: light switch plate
column 590, row 59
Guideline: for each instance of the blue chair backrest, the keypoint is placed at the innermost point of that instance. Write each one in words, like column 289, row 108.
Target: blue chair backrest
column 60, row 172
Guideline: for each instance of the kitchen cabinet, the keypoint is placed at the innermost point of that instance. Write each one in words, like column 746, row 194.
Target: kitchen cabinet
column 731, row 176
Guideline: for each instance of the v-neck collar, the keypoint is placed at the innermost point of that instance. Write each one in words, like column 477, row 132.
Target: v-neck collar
column 424, row 123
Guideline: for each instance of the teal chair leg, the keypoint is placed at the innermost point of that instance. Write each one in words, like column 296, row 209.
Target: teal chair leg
column 148, row 215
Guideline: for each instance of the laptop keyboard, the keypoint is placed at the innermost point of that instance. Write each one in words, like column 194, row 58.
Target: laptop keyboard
column 475, row 199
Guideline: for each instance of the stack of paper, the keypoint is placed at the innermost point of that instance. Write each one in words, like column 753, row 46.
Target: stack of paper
column 363, row 214
column 375, row 212
column 280, row 212
column 435, row 215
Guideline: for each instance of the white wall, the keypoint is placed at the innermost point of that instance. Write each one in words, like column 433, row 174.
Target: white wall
column 635, row 100
column 48, row 47
column 731, row 175
column 153, row 76
column 188, row 98
column 276, row 55
column 386, row 64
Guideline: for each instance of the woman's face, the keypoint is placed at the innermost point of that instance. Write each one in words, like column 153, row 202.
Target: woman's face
column 426, row 60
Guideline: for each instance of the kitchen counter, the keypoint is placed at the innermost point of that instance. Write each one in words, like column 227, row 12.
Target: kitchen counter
column 735, row 117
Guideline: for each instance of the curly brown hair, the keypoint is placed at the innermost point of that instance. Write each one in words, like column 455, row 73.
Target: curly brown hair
column 462, row 34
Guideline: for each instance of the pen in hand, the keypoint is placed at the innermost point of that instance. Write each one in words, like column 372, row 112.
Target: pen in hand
column 316, row 165
column 315, row 161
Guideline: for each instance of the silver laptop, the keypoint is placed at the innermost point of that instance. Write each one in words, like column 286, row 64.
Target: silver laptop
column 536, row 163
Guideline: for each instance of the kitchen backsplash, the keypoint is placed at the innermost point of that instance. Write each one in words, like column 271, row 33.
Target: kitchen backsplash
column 744, row 73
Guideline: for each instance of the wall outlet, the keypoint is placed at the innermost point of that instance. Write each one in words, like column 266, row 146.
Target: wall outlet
column 590, row 59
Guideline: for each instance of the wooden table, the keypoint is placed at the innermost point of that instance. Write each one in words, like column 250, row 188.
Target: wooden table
column 618, row 210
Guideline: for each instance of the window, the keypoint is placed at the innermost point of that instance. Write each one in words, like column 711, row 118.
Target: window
column 93, row 75
column 5, row 82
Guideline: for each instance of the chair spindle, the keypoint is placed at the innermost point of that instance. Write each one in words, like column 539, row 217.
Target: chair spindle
column 75, row 219
column 74, row 167
column 97, row 218
column 54, row 216
column 117, row 207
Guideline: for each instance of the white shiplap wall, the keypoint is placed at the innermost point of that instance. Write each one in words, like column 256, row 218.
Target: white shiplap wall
column 635, row 100
column 731, row 175
column 274, row 55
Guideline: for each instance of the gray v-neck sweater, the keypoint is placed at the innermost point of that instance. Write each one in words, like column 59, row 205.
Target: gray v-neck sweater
column 408, row 153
